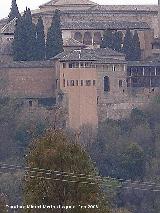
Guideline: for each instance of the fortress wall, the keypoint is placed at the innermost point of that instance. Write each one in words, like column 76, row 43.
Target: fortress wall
column 139, row 98
column 115, row 93
column 29, row 82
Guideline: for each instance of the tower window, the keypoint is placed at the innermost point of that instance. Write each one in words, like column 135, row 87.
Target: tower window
column 64, row 65
column 97, row 99
column 88, row 82
column 120, row 83
column 81, row 64
column 72, row 82
column 76, row 65
column 87, row 65
column 113, row 68
column 70, row 65
column 94, row 82
column 106, row 84
column 30, row 103
column 76, row 82
column 64, row 82
column 56, row 83
column 81, row 82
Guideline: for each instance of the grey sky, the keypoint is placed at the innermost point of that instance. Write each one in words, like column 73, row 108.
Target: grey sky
column 33, row 4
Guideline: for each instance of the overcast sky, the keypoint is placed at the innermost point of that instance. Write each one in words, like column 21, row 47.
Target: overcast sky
column 33, row 4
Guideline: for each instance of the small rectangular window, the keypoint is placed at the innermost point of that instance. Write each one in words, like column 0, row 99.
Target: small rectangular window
column 120, row 83
column 64, row 65
column 81, row 82
column 67, row 83
column 93, row 65
column 56, row 83
column 72, row 82
column 97, row 99
column 30, row 103
column 64, row 82
column 94, row 82
column 106, row 84
column 76, row 82
column 70, row 65
column 87, row 65
column 113, row 68
column 81, row 64
column 88, row 82
column 157, row 70
column 76, row 65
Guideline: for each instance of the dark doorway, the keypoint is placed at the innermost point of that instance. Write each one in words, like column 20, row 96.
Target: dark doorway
column 106, row 84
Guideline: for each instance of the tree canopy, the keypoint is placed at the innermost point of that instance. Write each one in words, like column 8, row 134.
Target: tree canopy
column 136, row 47
column 57, row 152
column 40, row 40
column 129, row 45
column 24, row 44
column 117, row 41
column 54, row 43
column 107, row 40
column 14, row 12
column 29, row 40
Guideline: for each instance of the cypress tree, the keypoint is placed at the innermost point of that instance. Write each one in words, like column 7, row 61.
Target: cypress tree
column 107, row 40
column 19, row 53
column 30, row 36
column 24, row 44
column 40, row 40
column 128, row 45
column 54, row 43
column 136, row 47
column 14, row 13
column 117, row 41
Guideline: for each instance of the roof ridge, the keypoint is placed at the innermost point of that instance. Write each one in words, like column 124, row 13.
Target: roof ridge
column 64, row 2
column 8, row 25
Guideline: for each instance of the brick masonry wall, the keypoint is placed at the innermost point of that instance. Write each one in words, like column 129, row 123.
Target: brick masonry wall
column 28, row 82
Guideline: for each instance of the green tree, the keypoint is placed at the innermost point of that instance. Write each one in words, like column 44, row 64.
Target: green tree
column 117, row 41
column 40, row 40
column 128, row 45
column 54, row 43
column 57, row 151
column 133, row 162
column 136, row 47
column 30, row 36
column 107, row 40
column 14, row 13
column 24, row 44
column 19, row 53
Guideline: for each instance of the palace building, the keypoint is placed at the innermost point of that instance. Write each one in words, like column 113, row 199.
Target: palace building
column 93, row 83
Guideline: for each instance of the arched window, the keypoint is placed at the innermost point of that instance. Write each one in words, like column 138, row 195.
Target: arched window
column 97, row 38
column 106, row 84
column 87, row 38
column 78, row 36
